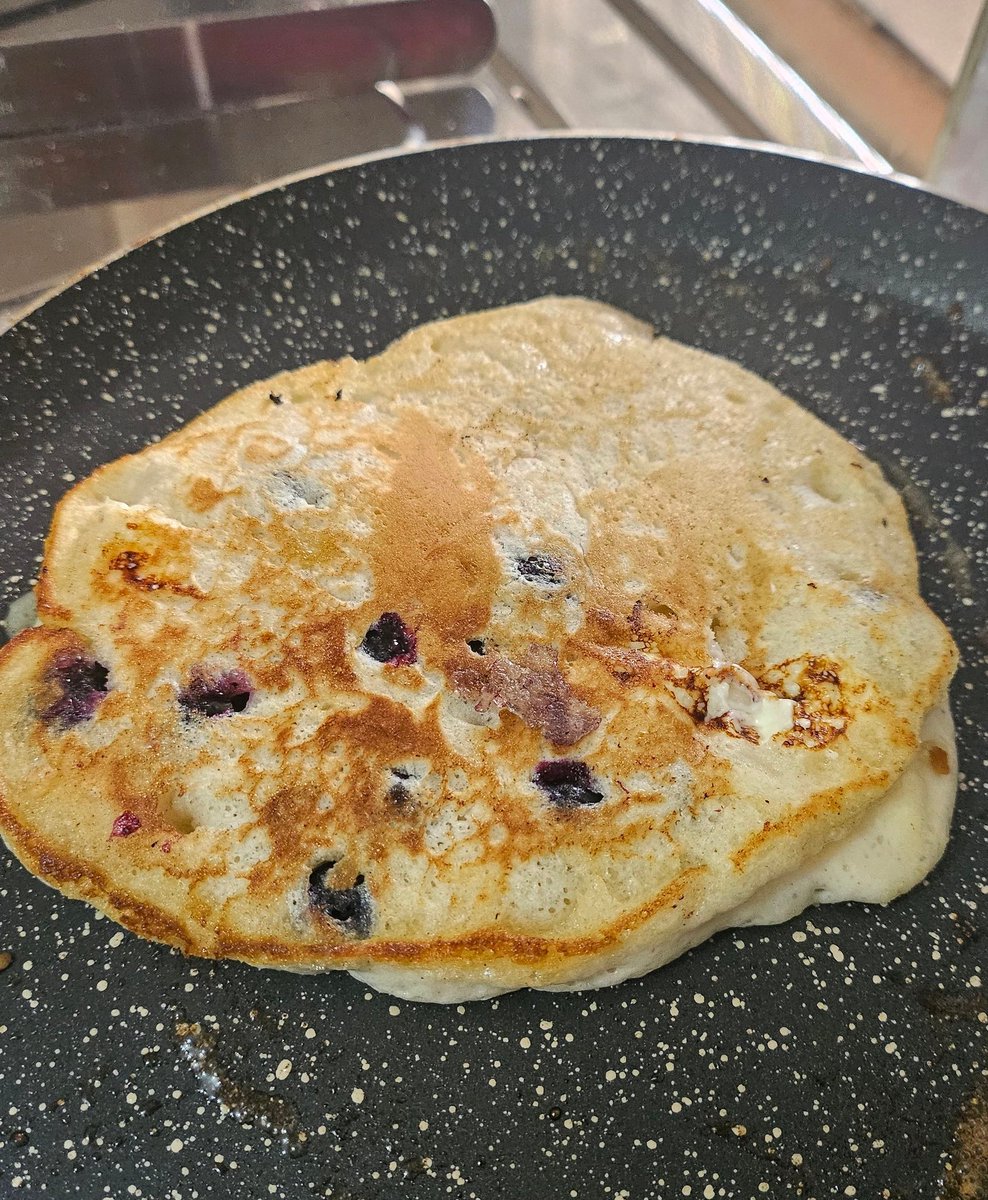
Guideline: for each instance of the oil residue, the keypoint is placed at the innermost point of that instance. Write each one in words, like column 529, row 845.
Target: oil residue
column 920, row 506
column 953, row 1007
column 21, row 614
column 929, row 375
column 246, row 1104
column 965, row 1175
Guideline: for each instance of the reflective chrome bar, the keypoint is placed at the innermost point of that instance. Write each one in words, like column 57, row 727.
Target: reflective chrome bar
column 139, row 75
column 753, row 76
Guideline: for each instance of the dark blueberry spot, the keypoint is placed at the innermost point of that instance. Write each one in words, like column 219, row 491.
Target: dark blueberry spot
column 399, row 795
column 349, row 907
column 541, row 568
column 276, row 398
column 555, row 1114
column 477, row 645
column 126, row 824
column 215, row 695
column 20, row 1137
column 83, row 684
column 389, row 640
column 401, row 773
column 567, row 782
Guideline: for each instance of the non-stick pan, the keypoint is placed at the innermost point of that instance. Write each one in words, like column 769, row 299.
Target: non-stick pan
column 841, row 1054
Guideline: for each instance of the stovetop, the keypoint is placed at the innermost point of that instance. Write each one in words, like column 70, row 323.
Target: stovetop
column 151, row 110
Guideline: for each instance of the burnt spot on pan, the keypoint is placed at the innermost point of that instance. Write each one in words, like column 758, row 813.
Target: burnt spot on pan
column 215, row 1079
column 927, row 372
column 965, row 1174
column 954, row 1006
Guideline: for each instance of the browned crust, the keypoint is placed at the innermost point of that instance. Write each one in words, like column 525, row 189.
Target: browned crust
column 83, row 881
column 828, row 803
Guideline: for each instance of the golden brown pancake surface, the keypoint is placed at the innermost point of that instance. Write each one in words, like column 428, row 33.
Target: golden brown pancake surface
column 516, row 655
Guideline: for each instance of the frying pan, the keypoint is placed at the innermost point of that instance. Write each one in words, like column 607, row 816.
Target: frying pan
column 841, row 1054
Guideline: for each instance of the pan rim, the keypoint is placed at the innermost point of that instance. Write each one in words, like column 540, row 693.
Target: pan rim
column 768, row 148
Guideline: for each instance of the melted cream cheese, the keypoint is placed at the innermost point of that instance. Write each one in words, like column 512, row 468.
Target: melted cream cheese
column 748, row 706
column 897, row 844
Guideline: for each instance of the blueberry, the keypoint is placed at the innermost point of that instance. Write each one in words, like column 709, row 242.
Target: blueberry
column 389, row 640
column 126, row 824
column 541, row 568
column 399, row 795
column 350, row 908
column 83, row 684
column 567, row 782
column 215, row 695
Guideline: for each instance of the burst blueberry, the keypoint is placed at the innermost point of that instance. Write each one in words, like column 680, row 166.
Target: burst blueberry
column 541, row 568
column 399, row 795
column 349, row 908
column 567, row 783
column 390, row 641
column 82, row 681
column 217, row 695
column 125, row 824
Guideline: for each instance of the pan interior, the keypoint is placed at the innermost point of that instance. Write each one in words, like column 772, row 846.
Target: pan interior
column 841, row 1050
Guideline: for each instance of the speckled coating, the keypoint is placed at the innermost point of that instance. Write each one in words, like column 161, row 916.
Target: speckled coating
column 836, row 1055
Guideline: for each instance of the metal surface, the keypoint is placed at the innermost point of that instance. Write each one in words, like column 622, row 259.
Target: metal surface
column 53, row 20
column 763, row 86
column 154, row 109
column 961, row 164
column 937, row 34
column 843, row 1050
column 881, row 89
column 73, row 198
column 232, row 150
column 170, row 71
column 597, row 72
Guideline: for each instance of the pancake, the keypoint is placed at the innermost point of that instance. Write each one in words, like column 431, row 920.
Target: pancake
column 529, row 652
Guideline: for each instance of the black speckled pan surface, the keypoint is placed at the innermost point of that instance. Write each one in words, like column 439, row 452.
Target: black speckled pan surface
column 842, row 1054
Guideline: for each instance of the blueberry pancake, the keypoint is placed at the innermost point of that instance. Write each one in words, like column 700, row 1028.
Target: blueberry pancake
column 528, row 653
